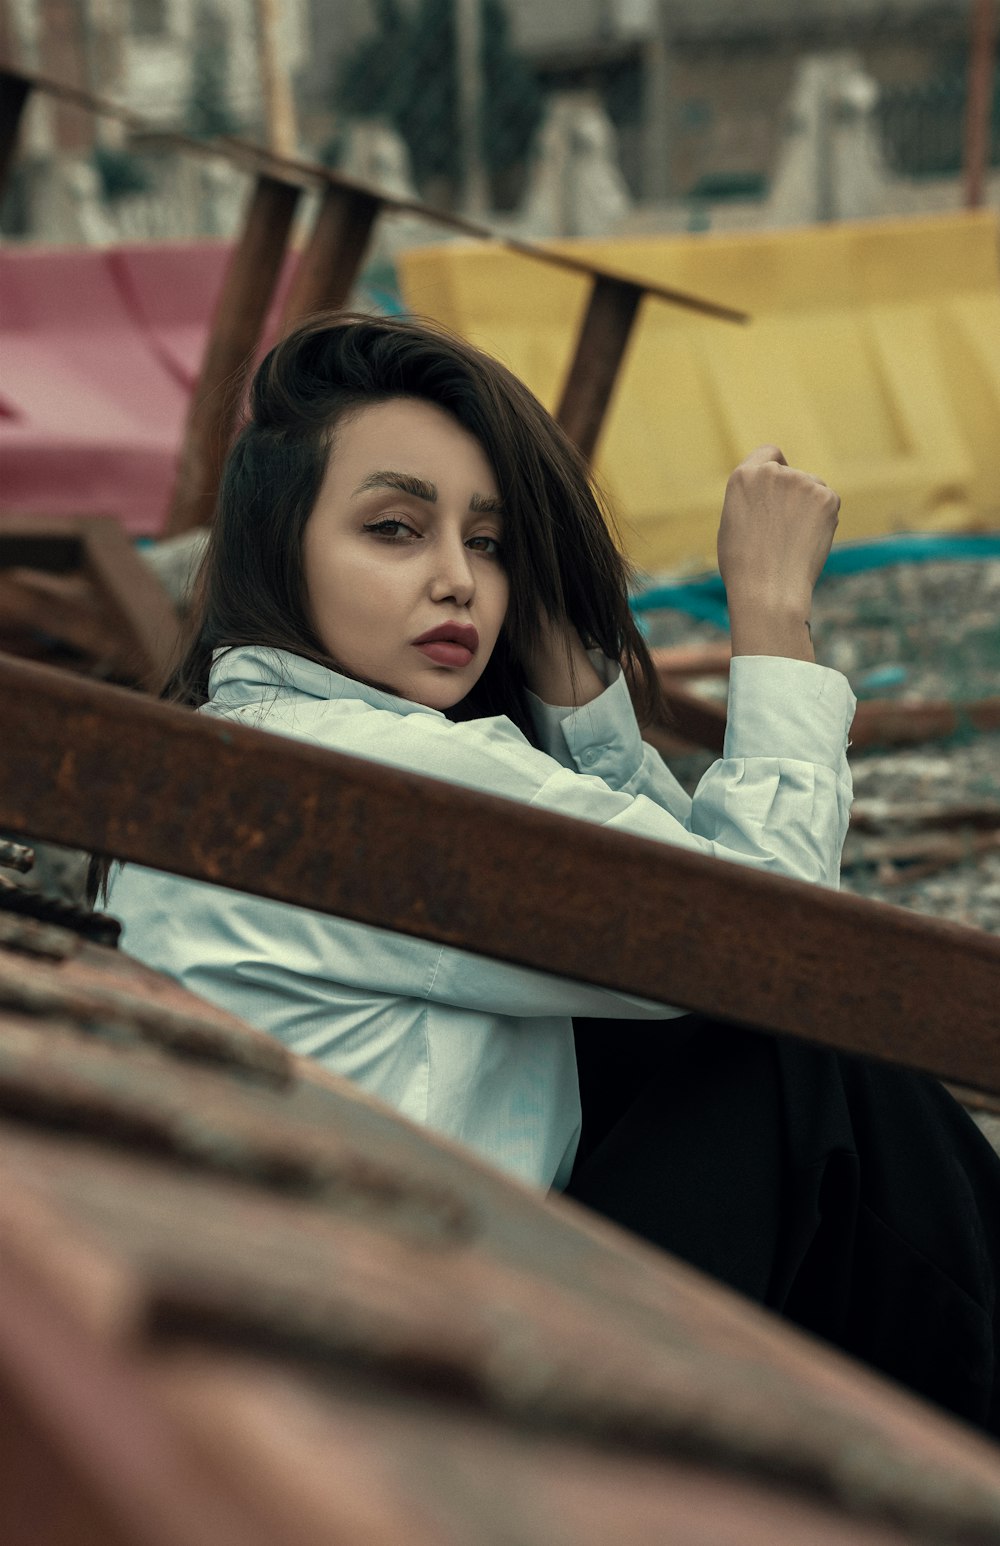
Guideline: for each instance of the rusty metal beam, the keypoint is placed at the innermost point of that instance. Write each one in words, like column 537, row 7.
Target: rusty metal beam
column 329, row 263
column 603, row 338
column 236, row 329
column 227, row 804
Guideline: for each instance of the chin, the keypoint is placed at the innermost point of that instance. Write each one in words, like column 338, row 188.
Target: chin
column 441, row 695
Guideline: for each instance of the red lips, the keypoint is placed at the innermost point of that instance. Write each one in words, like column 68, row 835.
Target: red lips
column 452, row 633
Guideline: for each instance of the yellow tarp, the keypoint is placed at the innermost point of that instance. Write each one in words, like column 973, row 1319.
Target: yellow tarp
column 873, row 360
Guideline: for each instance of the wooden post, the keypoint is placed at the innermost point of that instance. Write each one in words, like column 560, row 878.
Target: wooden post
column 276, row 91
column 334, row 253
column 603, row 337
column 236, row 329
column 979, row 99
column 14, row 93
column 469, row 90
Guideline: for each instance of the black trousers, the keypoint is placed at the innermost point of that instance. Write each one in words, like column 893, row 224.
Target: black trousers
column 858, row 1200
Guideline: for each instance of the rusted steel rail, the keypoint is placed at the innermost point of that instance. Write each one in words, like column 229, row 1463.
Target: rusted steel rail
column 134, row 607
column 328, row 266
column 204, row 1337
column 238, row 807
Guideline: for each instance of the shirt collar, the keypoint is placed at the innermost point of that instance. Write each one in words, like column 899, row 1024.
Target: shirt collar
column 246, row 673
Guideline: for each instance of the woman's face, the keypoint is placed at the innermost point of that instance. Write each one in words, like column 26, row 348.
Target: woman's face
column 402, row 553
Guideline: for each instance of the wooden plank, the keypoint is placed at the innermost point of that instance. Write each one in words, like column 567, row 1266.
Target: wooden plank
column 223, row 803
column 887, row 722
column 236, row 329
column 692, row 660
column 131, row 601
column 14, row 94
column 51, row 543
column 57, row 606
column 329, row 263
column 877, row 722
column 601, row 343
column 697, row 720
column 261, row 161
column 134, row 599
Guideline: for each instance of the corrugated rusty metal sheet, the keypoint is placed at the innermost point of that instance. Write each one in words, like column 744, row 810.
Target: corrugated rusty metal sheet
column 240, row 1301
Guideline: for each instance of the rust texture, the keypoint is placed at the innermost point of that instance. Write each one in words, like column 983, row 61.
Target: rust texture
column 235, row 806
column 600, row 347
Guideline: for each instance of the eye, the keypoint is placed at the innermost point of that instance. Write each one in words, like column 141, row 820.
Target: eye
column 484, row 544
column 392, row 530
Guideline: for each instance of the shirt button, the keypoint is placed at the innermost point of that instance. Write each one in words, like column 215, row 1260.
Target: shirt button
column 590, row 756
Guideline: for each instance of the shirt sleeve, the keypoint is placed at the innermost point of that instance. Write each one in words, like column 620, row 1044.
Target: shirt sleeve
column 778, row 800
column 781, row 789
column 603, row 738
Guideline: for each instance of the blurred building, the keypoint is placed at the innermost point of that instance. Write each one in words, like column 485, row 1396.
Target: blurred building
column 696, row 88
column 157, row 56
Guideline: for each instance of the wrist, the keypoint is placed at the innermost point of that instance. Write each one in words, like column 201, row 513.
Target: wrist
column 564, row 677
column 784, row 630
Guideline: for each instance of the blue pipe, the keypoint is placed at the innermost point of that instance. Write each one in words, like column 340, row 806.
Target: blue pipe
column 704, row 595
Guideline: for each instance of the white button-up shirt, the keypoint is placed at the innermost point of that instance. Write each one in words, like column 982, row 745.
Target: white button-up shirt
column 478, row 1049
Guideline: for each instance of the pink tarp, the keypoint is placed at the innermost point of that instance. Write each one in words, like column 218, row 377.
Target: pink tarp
column 99, row 351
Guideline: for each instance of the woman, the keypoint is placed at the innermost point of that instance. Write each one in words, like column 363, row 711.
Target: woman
column 408, row 564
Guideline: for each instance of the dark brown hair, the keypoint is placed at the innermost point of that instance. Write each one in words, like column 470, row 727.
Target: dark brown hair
column 558, row 549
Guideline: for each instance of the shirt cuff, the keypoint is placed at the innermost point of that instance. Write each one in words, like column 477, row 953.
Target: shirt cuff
column 788, row 708
column 602, row 736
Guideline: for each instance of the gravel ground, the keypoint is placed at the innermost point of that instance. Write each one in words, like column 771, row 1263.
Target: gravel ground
column 909, row 632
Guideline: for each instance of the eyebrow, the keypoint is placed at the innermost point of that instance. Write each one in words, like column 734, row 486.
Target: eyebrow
column 419, row 488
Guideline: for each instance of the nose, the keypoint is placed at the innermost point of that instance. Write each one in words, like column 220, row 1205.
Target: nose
column 453, row 578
